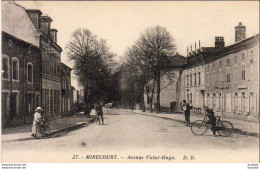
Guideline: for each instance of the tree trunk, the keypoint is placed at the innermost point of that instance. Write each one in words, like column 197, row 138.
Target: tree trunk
column 151, row 99
column 86, row 105
column 143, row 104
column 158, row 82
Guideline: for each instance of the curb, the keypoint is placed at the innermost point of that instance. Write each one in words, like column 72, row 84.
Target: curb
column 73, row 127
column 78, row 125
column 236, row 130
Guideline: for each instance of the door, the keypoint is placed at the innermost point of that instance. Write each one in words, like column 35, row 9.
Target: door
column 13, row 102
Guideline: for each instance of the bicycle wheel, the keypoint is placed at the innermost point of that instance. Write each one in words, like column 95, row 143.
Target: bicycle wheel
column 48, row 131
column 224, row 128
column 99, row 120
column 199, row 127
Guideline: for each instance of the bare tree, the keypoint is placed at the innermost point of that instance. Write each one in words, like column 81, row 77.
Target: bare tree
column 93, row 64
column 152, row 52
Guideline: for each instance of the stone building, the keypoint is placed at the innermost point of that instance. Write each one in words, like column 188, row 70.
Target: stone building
column 194, row 74
column 66, row 91
column 50, row 63
column 233, row 78
column 31, row 67
column 226, row 77
column 20, row 66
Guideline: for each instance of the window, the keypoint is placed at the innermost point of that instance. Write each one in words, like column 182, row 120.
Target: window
column 243, row 56
column 30, row 72
column 252, row 68
column 235, row 72
column 228, row 74
column 15, row 69
column 5, row 103
column 14, row 104
column 187, row 80
column 243, row 73
column 195, row 79
column 190, row 98
column 220, row 75
column 190, row 80
column 5, row 67
column 199, row 77
column 213, row 77
column 243, row 99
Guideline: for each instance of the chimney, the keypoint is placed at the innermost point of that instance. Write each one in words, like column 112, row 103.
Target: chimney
column 240, row 32
column 35, row 16
column 53, row 35
column 46, row 24
column 219, row 42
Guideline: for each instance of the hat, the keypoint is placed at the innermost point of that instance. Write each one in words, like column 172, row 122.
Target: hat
column 38, row 108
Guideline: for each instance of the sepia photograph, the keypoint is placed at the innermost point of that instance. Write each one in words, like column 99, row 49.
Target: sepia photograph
column 129, row 82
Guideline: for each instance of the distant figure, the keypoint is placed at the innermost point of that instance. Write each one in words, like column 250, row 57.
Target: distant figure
column 37, row 119
column 186, row 108
column 99, row 111
column 173, row 106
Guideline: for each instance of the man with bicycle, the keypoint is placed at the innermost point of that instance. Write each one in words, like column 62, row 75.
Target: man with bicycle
column 211, row 119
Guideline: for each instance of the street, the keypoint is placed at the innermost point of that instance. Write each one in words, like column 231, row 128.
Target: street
column 131, row 136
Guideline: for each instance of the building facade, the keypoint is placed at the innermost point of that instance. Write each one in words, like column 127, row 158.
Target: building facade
column 233, row 80
column 31, row 67
column 50, row 63
column 66, row 91
column 225, row 79
column 21, row 58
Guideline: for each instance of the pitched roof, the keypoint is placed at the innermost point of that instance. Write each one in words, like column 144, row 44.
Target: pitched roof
column 178, row 60
column 17, row 23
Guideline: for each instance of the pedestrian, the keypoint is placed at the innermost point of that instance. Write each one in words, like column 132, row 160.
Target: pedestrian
column 37, row 119
column 99, row 111
column 186, row 110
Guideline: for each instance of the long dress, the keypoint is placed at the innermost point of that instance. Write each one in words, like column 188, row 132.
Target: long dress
column 37, row 117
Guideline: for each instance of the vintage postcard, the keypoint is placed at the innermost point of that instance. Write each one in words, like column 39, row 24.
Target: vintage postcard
column 130, row 82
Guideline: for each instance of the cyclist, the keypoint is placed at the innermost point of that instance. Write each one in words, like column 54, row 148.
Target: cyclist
column 212, row 119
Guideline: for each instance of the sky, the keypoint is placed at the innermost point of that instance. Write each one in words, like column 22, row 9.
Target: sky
column 122, row 22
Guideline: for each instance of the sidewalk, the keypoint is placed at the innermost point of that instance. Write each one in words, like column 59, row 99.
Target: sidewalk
column 240, row 126
column 58, row 125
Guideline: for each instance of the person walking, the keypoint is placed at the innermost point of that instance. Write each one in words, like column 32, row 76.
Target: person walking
column 186, row 108
column 99, row 111
column 37, row 119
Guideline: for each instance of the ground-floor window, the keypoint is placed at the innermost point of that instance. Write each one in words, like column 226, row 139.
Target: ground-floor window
column 252, row 103
column 68, row 104
column 5, row 104
column 14, row 104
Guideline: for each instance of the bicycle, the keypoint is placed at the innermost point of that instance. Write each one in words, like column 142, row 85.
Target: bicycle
column 98, row 119
column 44, row 128
column 224, row 128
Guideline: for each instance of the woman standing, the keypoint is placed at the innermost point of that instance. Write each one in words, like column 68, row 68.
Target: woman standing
column 36, row 121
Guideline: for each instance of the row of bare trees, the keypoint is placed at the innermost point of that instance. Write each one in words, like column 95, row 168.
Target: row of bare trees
column 147, row 60
column 94, row 67
column 104, row 80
